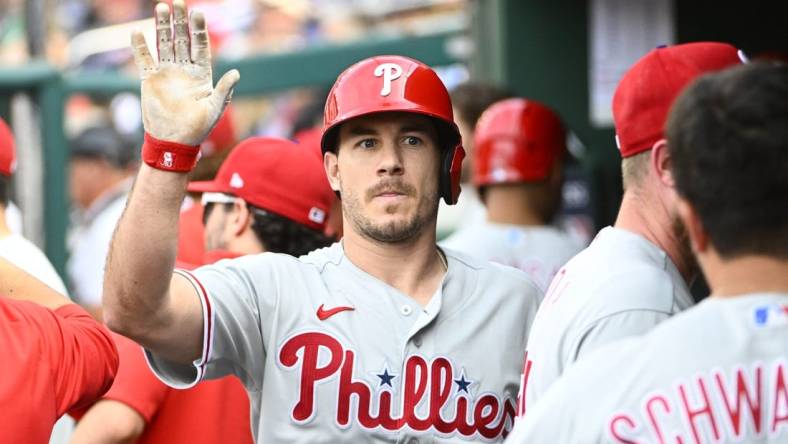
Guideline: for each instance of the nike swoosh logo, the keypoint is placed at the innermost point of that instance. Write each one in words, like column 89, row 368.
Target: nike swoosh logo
column 324, row 314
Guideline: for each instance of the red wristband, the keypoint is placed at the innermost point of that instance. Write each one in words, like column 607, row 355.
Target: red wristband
column 169, row 156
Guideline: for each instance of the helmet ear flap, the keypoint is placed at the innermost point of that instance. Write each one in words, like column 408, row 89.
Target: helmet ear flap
column 451, row 170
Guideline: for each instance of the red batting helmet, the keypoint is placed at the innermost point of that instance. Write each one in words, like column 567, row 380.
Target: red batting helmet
column 395, row 83
column 517, row 140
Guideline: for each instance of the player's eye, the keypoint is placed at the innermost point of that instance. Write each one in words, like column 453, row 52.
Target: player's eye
column 412, row 141
column 367, row 143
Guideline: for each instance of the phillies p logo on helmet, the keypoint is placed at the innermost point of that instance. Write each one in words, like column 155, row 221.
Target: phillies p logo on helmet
column 389, row 72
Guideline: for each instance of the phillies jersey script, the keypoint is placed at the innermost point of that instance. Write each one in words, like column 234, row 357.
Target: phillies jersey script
column 621, row 285
column 538, row 251
column 329, row 353
column 717, row 373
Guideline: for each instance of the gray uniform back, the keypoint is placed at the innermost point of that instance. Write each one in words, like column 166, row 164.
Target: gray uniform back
column 538, row 251
column 330, row 354
column 717, row 373
column 621, row 285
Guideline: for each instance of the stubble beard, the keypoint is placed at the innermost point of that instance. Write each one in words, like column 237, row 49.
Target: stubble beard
column 680, row 233
column 394, row 232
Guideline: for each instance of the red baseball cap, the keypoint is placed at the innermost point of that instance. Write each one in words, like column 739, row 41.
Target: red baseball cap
column 276, row 175
column 7, row 150
column 647, row 91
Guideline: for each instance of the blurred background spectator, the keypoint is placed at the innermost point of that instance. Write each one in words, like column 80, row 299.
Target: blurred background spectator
column 100, row 177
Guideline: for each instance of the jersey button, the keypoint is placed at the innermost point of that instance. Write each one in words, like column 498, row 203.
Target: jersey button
column 417, row 341
column 413, row 441
column 406, row 310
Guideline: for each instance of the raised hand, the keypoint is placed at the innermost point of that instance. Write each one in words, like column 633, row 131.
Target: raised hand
column 179, row 102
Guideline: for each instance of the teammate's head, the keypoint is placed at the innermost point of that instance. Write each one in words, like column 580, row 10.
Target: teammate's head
column 646, row 92
column 391, row 147
column 640, row 110
column 729, row 143
column 470, row 99
column 269, row 195
column 100, row 158
column 519, row 147
column 7, row 160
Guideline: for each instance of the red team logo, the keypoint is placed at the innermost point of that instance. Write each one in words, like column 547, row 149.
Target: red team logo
column 435, row 382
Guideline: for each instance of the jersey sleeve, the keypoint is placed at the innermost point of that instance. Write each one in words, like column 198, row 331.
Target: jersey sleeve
column 233, row 294
column 135, row 384
column 82, row 354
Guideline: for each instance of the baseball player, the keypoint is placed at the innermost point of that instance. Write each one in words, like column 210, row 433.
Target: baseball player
column 717, row 372
column 633, row 275
column 55, row 357
column 519, row 148
column 382, row 337
column 245, row 208
column 469, row 100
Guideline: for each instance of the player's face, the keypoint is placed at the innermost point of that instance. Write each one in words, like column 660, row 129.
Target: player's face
column 387, row 173
column 215, row 221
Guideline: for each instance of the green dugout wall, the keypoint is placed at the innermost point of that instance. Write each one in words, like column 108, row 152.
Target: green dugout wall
column 540, row 49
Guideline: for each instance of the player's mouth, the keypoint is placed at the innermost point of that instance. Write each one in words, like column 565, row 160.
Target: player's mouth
column 390, row 192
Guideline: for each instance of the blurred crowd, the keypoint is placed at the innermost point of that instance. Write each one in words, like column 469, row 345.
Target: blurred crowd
column 94, row 33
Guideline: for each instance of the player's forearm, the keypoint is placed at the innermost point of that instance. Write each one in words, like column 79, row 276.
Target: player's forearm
column 109, row 422
column 142, row 255
column 15, row 283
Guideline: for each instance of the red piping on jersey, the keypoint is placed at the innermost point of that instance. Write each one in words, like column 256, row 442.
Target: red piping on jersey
column 209, row 321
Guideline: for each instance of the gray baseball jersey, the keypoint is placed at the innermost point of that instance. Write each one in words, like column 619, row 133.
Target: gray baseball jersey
column 621, row 285
column 717, row 373
column 539, row 251
column 329, row 353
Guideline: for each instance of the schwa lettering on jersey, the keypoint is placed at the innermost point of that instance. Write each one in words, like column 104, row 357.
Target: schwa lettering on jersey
column 724, row 405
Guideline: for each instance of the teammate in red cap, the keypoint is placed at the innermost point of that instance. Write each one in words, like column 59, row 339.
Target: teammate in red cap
column 520, row 147
column 55, row 357
column 633, row 275
column 382, row 337
column 269, row 195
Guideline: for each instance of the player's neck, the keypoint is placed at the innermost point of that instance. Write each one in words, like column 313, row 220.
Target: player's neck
column 414, row 267
column 512, row 205
column 650, row 218
column 745, row 275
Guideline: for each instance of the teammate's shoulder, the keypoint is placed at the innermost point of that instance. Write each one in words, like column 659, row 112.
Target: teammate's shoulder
column 463, row 239
column 489, row 272
column 637, row 287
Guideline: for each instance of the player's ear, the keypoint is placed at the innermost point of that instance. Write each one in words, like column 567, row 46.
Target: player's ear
column 331, row 165
column 240, row 217
column 697, row 234
column 661, row 163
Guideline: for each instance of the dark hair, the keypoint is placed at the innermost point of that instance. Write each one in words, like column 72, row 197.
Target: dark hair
column 728, row 139
column 4, row 182
column 470, row 99
column 279, row 234
column 105, row 142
